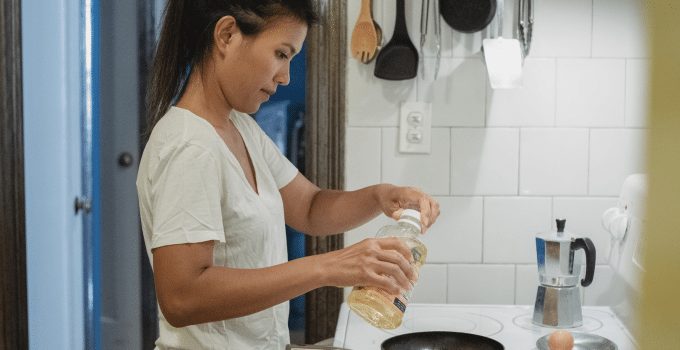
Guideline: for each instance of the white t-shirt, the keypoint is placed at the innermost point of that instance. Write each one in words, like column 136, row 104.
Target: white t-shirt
column 192, row 189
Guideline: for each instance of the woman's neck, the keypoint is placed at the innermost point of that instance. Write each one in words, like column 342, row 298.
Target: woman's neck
column 203, row 97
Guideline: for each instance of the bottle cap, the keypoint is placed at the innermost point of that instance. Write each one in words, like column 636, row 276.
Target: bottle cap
column 411, row 216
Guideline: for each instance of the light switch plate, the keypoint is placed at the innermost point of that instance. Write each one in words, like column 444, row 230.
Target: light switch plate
column 415, row 127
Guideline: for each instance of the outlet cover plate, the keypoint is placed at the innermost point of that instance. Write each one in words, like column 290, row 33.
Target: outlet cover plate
column 415, row 127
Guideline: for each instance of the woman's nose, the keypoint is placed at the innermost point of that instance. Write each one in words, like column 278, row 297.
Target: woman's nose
column 283, row 78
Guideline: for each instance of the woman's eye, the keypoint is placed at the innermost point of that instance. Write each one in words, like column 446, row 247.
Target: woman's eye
column 282, row 55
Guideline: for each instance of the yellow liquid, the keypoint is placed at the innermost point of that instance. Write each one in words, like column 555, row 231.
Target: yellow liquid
column 378, row 307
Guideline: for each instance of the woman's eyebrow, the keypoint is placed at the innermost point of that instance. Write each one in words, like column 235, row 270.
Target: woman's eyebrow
column 292, row 48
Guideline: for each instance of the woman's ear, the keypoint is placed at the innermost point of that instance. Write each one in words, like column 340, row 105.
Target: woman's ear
column 226, row 30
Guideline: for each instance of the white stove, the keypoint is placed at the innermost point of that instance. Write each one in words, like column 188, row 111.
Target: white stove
column 508, row 324
column 511, row 325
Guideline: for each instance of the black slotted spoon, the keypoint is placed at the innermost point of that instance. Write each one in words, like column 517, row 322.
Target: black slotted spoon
column 398, row 60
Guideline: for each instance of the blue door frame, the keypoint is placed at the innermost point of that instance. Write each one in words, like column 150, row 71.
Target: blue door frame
column 90, row 131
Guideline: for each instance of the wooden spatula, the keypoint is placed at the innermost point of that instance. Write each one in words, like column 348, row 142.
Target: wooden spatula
column 364, row 43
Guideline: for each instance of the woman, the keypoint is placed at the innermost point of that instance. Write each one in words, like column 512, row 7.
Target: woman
column 215, row 192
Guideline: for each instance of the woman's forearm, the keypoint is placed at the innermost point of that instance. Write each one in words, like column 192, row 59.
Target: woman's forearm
column 334, row 211
column 220, row 293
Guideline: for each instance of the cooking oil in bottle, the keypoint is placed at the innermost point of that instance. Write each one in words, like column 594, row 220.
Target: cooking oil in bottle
column 375, row 305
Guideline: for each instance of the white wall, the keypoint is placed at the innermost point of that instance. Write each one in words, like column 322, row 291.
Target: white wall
column 506, row 163
column 51, row 89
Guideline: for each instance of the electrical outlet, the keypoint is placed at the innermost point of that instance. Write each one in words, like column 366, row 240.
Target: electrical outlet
column 415, row 127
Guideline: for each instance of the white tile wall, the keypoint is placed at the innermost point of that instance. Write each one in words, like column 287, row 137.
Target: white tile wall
column 531, row 105
column 614, row 154
column 457, row 96
column 374, row 102
column 562, row 28
column 362, row 151
column 457, row 236
column 429, row 172
column 637, row 86
column 590, row 92
column 619, row 28
column 481, row 284
column 510, row 226
column 526, row 284
column 484, row 161
column 505, row 163
column 553, row 162
column 431, row 287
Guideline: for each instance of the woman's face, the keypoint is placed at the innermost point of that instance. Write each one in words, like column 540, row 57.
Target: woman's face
column 250, row 68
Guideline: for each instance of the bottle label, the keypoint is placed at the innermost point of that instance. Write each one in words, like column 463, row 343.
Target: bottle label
column 401, row 306
column 416, row 254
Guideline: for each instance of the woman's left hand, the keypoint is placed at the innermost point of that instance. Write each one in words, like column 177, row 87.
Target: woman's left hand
column 393, row 200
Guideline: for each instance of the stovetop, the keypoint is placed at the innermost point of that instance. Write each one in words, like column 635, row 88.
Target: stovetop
column 509, row 324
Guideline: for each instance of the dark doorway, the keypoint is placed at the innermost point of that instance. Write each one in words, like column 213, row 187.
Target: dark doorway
column 13, row 297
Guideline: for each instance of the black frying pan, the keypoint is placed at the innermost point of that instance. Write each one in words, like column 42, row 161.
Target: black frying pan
column 467, row 16
column 440, row 341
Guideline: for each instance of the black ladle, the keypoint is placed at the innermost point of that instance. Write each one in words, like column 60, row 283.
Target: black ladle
column 398, row 60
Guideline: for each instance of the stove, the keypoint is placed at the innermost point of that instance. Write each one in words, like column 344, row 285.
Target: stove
column 511, row 325
column 508, row 324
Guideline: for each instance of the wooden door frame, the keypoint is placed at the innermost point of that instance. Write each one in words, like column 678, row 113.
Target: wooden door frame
column 13, row 294
column 324, row 145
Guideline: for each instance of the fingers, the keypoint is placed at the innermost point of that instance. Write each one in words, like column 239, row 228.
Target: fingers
column 386, row 283
column 390, row 257
column 397, row 245
column 428, row 207
column 425, row 213
column 398, row 261
column 429, row 216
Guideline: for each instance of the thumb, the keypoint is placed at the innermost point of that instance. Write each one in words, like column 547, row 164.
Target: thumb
column 397, row 213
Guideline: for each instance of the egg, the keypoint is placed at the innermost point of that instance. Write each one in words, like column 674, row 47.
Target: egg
column 561, row 340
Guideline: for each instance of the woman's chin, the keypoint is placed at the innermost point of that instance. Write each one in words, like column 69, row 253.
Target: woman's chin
column 251, row 108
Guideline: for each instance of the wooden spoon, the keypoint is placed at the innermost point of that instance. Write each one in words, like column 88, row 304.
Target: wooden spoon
column 364, row 37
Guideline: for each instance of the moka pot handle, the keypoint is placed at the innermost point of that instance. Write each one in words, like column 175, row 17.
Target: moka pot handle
column 587, row 245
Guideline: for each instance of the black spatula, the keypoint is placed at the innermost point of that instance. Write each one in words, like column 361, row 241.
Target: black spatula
column 398, row 60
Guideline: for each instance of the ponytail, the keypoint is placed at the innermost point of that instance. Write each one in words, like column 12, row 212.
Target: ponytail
column 168, row 70
column 186, row 38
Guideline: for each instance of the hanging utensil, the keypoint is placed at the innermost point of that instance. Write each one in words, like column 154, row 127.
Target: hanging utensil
column 398, row 60
column 525, row 25
column 438, row 38
column 424, row 19
column 467, row 16
column 365, row 42
column 503, row 57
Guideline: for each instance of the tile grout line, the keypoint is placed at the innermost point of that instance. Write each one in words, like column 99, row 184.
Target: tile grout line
column 592, row 26
column 515, row 285
column 483, row 220
column 519, row 160
column 590, row 135
column 625, row 92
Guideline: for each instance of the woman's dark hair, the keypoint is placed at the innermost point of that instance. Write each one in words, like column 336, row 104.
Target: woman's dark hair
column 187, row 37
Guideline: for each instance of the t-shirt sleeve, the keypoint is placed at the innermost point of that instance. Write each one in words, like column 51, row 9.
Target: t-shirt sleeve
column 185, row 201
column 281, row 168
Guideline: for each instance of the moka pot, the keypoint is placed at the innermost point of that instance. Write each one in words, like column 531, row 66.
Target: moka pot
column 558, row 298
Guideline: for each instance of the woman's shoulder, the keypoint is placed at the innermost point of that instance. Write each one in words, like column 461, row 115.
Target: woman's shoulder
column 180, row 127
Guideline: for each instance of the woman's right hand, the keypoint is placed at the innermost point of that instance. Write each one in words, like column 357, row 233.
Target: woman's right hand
column 385, row 263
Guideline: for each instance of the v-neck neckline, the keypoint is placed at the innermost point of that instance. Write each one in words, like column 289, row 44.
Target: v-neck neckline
column 251, row 161
column 232, row 157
